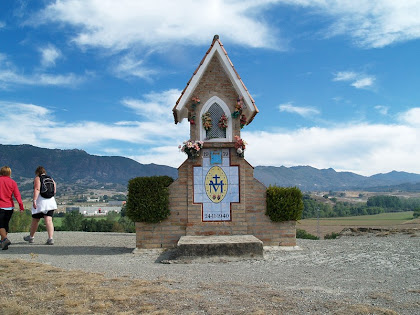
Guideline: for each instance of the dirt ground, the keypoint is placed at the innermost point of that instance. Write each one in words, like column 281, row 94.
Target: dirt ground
column 98, row 273
column 336, row 226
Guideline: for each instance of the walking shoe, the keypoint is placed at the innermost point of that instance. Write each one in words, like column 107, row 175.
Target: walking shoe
column 29, row 239
column 50, row 241
column 5, row 244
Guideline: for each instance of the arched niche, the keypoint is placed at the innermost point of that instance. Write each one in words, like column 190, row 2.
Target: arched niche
column 216, row 107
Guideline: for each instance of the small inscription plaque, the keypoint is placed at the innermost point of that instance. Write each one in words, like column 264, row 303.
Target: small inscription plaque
column 216, row 157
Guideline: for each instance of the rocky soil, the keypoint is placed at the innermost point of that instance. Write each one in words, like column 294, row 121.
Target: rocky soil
column 372, row 273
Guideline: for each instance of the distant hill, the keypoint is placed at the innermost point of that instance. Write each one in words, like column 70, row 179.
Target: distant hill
column 70, row 166
column 77, row 166
column 308, row 178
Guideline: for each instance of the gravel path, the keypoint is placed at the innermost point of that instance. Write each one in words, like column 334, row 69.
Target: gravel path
column 350, row 275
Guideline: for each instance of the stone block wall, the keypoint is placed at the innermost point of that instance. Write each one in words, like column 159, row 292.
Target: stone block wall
column 248, row 216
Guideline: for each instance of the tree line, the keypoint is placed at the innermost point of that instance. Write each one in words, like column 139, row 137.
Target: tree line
column 374, row 205
column 114, row 222
column 75, row 221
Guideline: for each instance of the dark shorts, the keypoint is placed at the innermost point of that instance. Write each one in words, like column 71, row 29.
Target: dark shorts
column 42, row 214
column 5, row 216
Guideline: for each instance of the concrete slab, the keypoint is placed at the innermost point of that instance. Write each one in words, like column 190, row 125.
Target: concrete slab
column 231, row 246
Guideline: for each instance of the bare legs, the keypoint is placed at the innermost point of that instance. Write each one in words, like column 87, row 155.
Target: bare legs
column 3, row 233
column 34, row 226
column 48, row 224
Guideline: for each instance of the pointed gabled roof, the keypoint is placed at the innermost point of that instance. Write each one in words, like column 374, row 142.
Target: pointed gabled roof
column 180, row 110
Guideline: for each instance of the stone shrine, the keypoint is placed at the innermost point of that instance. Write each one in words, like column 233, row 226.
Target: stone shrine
column 216, row 192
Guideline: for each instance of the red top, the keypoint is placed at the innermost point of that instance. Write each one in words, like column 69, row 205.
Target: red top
column 9, row 188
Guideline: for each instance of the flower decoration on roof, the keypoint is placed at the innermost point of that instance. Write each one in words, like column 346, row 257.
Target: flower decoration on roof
column 240, row 146
column 243, row 120
column 194, row 102
column 191, row 118
column 206, row 119
column 238, row 107
column 223, row 122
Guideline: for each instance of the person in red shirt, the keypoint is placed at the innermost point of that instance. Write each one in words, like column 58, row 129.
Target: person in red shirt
column 8, row 189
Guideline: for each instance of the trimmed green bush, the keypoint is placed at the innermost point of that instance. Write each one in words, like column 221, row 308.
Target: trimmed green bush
column 148, row 199
column 284, row 203
column 305, row 235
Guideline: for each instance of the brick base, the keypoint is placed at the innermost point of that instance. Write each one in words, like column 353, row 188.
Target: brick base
column 248, row 216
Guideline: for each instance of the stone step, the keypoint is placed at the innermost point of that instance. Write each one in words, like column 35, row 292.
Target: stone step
column 220, row 246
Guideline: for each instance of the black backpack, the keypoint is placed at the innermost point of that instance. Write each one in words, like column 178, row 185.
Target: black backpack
column 47, row 186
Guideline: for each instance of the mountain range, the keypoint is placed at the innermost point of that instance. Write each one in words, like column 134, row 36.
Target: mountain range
column 77, row 166
column 72, row 166
column 308, row 178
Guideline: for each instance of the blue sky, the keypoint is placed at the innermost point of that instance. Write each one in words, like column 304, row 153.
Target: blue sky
column 336, row 82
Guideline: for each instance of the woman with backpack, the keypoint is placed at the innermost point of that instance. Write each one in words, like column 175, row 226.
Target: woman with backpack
column 43, row 205
column 8, row 189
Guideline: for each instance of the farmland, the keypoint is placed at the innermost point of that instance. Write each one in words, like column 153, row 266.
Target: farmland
column 397, row 220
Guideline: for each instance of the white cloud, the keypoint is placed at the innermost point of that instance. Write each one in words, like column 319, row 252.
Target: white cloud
column 123, row 24
column 49, row 55
column 382, row 109
column 363, row 82
column 362, row 148
column 371, row 24
column 154, row 105
column 129, row 66
column 38, row 126
column 302, row 111
column 164, row 155
column 9, row 75
column 118, row 25
column 94, row 132
column 345, row 76
column 358, row 80
column 411, row 117
column 21, row 123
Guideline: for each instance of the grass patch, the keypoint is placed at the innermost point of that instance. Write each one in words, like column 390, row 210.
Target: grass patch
column 33, row 288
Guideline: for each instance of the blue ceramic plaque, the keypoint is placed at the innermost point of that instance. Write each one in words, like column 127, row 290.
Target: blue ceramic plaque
column 216, row 157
